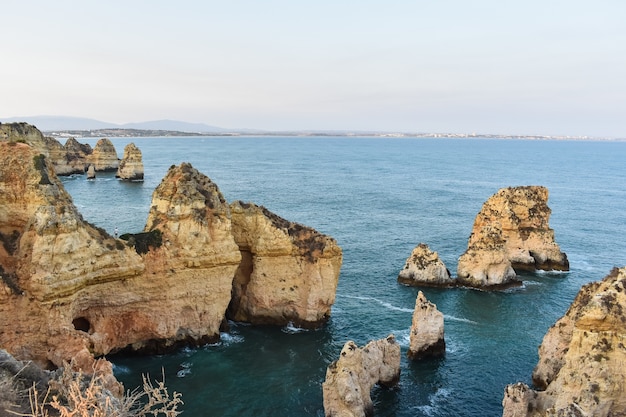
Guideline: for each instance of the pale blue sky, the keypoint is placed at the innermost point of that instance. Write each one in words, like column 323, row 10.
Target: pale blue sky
column 518, row 67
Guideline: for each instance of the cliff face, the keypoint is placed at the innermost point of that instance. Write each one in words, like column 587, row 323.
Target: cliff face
column 74, row 292
column 349, row 380
column 131, row 165
column 288, row 273
column 581, row 359
column 510, row 232
column 104, row 156
column 424, row 268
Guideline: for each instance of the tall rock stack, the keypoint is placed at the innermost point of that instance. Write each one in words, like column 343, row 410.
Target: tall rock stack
column 104, row 156
column 288, row 273
column 350, row 379
column 427, row 336
column 581, row 368
column 131, row 165
column 510, row 232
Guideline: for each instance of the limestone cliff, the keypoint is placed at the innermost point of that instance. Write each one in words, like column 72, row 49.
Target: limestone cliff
column 349, row 380
column 72, row 291
column 510, row 232
column 581, row 359
column 426, row 338
column 288, row 272
column 131, row 165
column 424, row 268
column 104, row 156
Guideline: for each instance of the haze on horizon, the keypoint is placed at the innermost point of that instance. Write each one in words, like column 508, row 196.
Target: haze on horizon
column 535, row 67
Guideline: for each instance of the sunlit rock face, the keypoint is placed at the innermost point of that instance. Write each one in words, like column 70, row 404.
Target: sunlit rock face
column 427, row 336
column 581, row 359
column 349, row 380
column 424, row 268
column 131, row 165
column 510, row 232
column 288, row 273
column 73, row 292
column 104, row 156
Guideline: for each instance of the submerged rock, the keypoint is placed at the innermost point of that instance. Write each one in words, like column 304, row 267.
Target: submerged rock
column 131, row 165
column 424, row 268
column 349, row 380
column 581, row 359
column 288, row 273
column 426, row 339
column 510, row 232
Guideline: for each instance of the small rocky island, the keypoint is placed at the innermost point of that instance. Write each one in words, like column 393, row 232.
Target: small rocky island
column 511, row 232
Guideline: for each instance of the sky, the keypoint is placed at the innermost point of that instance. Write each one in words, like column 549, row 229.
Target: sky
column 546, row 67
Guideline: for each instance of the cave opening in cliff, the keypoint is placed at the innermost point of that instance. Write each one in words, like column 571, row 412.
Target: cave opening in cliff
column 82, row 324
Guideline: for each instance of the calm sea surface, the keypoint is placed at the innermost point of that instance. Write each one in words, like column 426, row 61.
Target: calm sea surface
column 380, row 197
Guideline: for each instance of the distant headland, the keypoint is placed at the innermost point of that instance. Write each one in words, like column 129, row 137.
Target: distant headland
column 65, row 127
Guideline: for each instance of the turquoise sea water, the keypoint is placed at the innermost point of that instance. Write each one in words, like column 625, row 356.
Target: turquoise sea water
column 379, row 197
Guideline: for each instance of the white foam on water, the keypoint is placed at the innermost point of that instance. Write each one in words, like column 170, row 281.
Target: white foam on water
column 458, row 319
column 290, row 328
column 385, row 304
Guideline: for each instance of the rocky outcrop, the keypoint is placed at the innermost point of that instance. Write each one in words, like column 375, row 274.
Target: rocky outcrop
column 91, row 172
column 75, row 292
column 74, row 160
column 511, row 232
column 581, row 359
column 131, row 165
column 288, row 272
column 426, row 338
column 424, row 268
column 104, row 156
column 349, row 380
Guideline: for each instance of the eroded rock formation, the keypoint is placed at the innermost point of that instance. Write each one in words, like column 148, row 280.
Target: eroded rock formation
column 131, row 165
column 424, row 268
column 75, row 292
column 104, row 156
column 426, row 338
column 288, row 273
column 349, row 380
column 581, row 359
column 510, row 232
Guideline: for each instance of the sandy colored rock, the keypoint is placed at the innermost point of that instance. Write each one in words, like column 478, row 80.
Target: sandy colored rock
column 424, row 268
column 289, row 272
column 91, row 172
column 349, row 380
column 581, row 368
column 427, row 333
column 131, row 165
column 104, row 156
column 511, row 232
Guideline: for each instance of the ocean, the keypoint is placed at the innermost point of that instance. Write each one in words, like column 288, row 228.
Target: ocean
column 379, row 198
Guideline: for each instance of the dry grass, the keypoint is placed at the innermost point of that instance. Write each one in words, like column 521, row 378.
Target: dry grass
column 74, row 395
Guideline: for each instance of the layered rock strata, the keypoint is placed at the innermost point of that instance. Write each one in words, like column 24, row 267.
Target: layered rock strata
column 350, row 379
column 511, row 232
column 288, row 273
column 424, row 268
column 427, row 333
column 104, row 156
column 581, row 359
column 74, row 292
column 131, row 165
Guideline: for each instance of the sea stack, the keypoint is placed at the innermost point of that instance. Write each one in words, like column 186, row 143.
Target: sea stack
column 91, row 172
column 104, row 156
column 131, row 165
column 511, row 232
column 426, row 339
column 349, row 380
column 581, row 359
column 424, row 268
column 288, row 273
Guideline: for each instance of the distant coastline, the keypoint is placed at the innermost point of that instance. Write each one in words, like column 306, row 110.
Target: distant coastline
column 132, row 133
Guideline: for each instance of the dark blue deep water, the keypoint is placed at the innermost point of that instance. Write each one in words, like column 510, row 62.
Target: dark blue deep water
column 379, row 197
